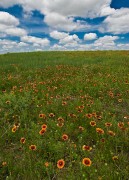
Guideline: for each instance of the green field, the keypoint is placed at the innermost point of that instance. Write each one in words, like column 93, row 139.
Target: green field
column 69, row 106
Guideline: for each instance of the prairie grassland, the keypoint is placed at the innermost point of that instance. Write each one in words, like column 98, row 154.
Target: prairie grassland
column 64, row 116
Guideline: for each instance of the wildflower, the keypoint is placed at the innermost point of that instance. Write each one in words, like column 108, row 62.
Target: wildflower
column 111, row 133
column 107, row 124
column 92, row 123
column 102, row 140
column 120, row 124
column 51, row 115
column 22, row 140
column 72, row 115
column 119, row 100
column 89, row 115
column 46, row 164
column 60, row 124
column 81, row 128
column 4, row 91
column 60, row 119
column 42, row 131
column 42, row 116
column 60, row 163
column 81, row 107
column 99, row 130
column 7, row 102
column 17, row 124
column 44, row 126
column 99, row 117
column 4, row 163
column 86, row 162
column 64, row 103
column 65, row 137
column 87, row 148
column 14, row 129
column 80, row 110
column 114, row 158
column 32, row 147
column 94, row 114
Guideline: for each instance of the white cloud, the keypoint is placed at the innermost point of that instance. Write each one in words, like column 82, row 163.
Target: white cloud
column 58, row 47
column 8, row 25
column 16, row 32
column 82, row 8
column 106, row 42
column 58, row 35
column 90, row 36
column 65, row 38
column 8, row 20
column 36, row 41
column 61, row 14
column 117, row 23
column 64, row 23
column 69, row 39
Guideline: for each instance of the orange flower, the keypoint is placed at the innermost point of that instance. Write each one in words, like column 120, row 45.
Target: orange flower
column 80, row 110
column 92, row 123
column 4, row 163
column 72, row 115
column 3, row 90
column 94, row 114
column 60, row 119
column 86, row 162
column 115, row 158
column 44, row 126
column 99, row 130
column 65, row 137
column 60, row 124
column 99, row 117
column 22, row 140
column 7, row 102
column 102, row 140
column 81, row 128
column 51, row 115
column 107, row 124
column 87, row 148
column 46, row 164
column 120, row 124
column 32, row 147
column 89, row 115
column 14, row 129
column 42, row 116
column 119, row 100
column 111, row 133
column 64, row 103
column 60, row 163
column 42, row 131
column 17, row 124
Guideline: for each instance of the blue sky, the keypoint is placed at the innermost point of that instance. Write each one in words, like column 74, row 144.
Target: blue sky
column 63, row 25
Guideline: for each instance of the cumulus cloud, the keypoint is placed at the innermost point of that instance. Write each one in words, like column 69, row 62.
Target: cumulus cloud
column 16, row 32
column 117, row 23
column 61, row 14
column 7, row 19
column 58, row 35
column 90, row 36
column 64, row 23
column 82, row 8
column 8, row 25
column 65, row 38
column 36, row 41
column 106, row 42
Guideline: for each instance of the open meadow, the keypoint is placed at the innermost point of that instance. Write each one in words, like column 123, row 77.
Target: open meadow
column 64, row 116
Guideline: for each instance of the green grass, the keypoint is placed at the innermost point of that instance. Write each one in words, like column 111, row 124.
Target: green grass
column 93, row 86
